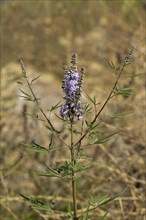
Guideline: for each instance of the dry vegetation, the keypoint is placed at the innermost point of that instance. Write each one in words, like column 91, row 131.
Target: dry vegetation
column 45, row 34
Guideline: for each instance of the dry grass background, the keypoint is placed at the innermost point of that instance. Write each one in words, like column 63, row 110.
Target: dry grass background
column 45, row 34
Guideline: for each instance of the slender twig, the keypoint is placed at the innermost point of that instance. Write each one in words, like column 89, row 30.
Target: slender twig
column 63, row 141
column 34, row 96
column 82, row 127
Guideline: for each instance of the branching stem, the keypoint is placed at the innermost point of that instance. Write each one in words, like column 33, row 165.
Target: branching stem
column 104, row 104
column 24, row 74
column 41, row 110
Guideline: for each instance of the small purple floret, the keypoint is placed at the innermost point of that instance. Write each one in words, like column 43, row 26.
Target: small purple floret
column 72, row 89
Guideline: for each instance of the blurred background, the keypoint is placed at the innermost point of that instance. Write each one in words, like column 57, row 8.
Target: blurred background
column 44, row 34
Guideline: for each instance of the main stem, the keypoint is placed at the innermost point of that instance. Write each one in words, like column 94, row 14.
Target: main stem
column 73, row 176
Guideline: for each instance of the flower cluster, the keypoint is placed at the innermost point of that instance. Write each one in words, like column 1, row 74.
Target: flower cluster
column 71, row 85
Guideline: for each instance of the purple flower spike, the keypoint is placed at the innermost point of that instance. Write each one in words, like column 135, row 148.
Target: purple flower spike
column 72, row 88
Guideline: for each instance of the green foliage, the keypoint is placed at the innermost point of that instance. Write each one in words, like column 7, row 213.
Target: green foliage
column 35, row 204
column 86, row 213
column 134, row 74
column 121, row 114
column 103, row 217
column 103, row 200
column 126, row 91
column 51, row 173
column 26, row 96
column 111, row 65
column 53, row 202
column 55, row 107
column 35, row 147
column 104, row 139
column 93, row 100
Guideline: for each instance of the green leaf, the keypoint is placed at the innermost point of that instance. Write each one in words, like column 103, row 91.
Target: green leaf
column 34, row 117
column 50, row 147
column 126, row 91
column 19, row 82
column 53, row 202
column 119, row 115
column 134, row 74
column 109, row 197
column 93, row 100
column 69, row 211
column 110, row 64
column 43, row 208
column 28, row 97
column 32, row 200
column 35, row 78
column 55, row 106
column 36, row 204
column 26, row 94
column 62, row 119
column 106, row 199
column 103, row 217
column 86, row 213
column 49, row 174
column 35, row 147
column 102, row 201
column 93, row 125
column 86, row 109
column 81, row 167
column 105, row 139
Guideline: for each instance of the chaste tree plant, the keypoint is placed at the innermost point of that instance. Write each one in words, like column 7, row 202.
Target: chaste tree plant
column 73, row 114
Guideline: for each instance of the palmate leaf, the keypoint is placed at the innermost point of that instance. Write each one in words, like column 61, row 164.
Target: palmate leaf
column 110, row 64
column 28, row 97
column 35, row 147
column 126, row 91
column 36, row 204
column 105, row 139
column 25, row 96
column 86, row 109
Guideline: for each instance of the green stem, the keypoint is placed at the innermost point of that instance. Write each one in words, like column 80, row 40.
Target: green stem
column 73, row 177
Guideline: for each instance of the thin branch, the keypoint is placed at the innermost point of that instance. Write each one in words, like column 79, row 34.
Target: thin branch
column 34, row 96
column 103, row 106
